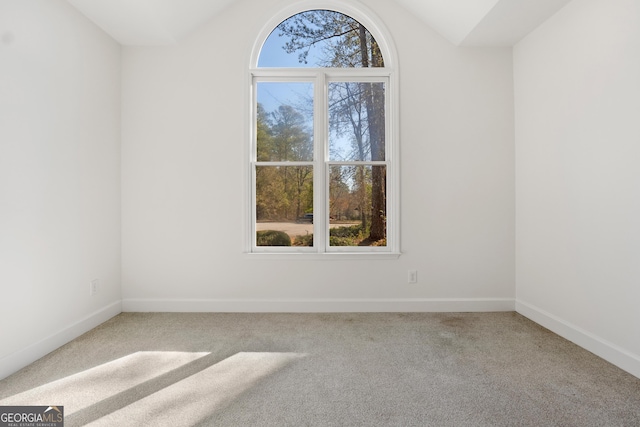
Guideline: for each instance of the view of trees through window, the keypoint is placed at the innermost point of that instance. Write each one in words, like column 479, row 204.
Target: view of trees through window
column 350, row 158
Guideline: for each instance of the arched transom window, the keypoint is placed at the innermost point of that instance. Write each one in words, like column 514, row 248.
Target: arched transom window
column 322, row 149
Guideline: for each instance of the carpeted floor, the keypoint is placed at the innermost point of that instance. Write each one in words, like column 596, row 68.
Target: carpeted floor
column 365, row 369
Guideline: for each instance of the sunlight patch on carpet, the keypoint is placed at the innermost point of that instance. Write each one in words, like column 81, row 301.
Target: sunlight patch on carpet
column 191, row 400
column 86, row 388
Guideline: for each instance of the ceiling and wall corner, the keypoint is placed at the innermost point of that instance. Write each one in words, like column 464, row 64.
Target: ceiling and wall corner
column 509, row 21
column 461, row 22
column 149, row 22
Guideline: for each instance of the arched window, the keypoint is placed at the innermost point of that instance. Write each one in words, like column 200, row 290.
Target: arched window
column 323, row 146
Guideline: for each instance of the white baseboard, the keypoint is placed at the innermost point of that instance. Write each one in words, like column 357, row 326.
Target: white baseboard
column 596, row 345
column 21, row 358
column 318, row 305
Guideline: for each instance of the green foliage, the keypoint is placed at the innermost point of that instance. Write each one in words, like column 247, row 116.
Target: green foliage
column 346, row 236
column 352, row 231
column 352, row 235
column 272, row 238
column 342, row 241
column 306, row 240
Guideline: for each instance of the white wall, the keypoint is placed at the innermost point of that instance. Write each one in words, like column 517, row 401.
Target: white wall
column 184, row 136
column 577, row 96
column 59, row 177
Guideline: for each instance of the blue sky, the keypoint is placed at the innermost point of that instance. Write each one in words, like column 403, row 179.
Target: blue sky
column 273, row 54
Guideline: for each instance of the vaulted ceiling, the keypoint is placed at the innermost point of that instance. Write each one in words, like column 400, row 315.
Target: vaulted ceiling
column 462, row 22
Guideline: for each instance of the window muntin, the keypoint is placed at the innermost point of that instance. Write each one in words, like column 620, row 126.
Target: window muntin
column 347, row 108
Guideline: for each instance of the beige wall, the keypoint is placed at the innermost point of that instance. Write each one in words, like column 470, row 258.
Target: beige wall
column 185, row 125
column 59, row 173
column 577, row 95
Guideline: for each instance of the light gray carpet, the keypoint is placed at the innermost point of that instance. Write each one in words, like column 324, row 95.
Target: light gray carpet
column 382, row 369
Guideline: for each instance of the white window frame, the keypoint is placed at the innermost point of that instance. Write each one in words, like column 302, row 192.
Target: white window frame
column 321, row 77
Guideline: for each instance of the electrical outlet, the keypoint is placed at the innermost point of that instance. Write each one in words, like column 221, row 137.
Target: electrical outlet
column 95, row 287
column 413, row 276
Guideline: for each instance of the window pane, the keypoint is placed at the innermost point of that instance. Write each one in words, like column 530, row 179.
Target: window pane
column 357, row 205
column 356, row 121
column 284, row 127
column 320, row 38
column 284, row 205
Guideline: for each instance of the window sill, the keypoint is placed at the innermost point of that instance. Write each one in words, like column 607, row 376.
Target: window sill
column 332, row 256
